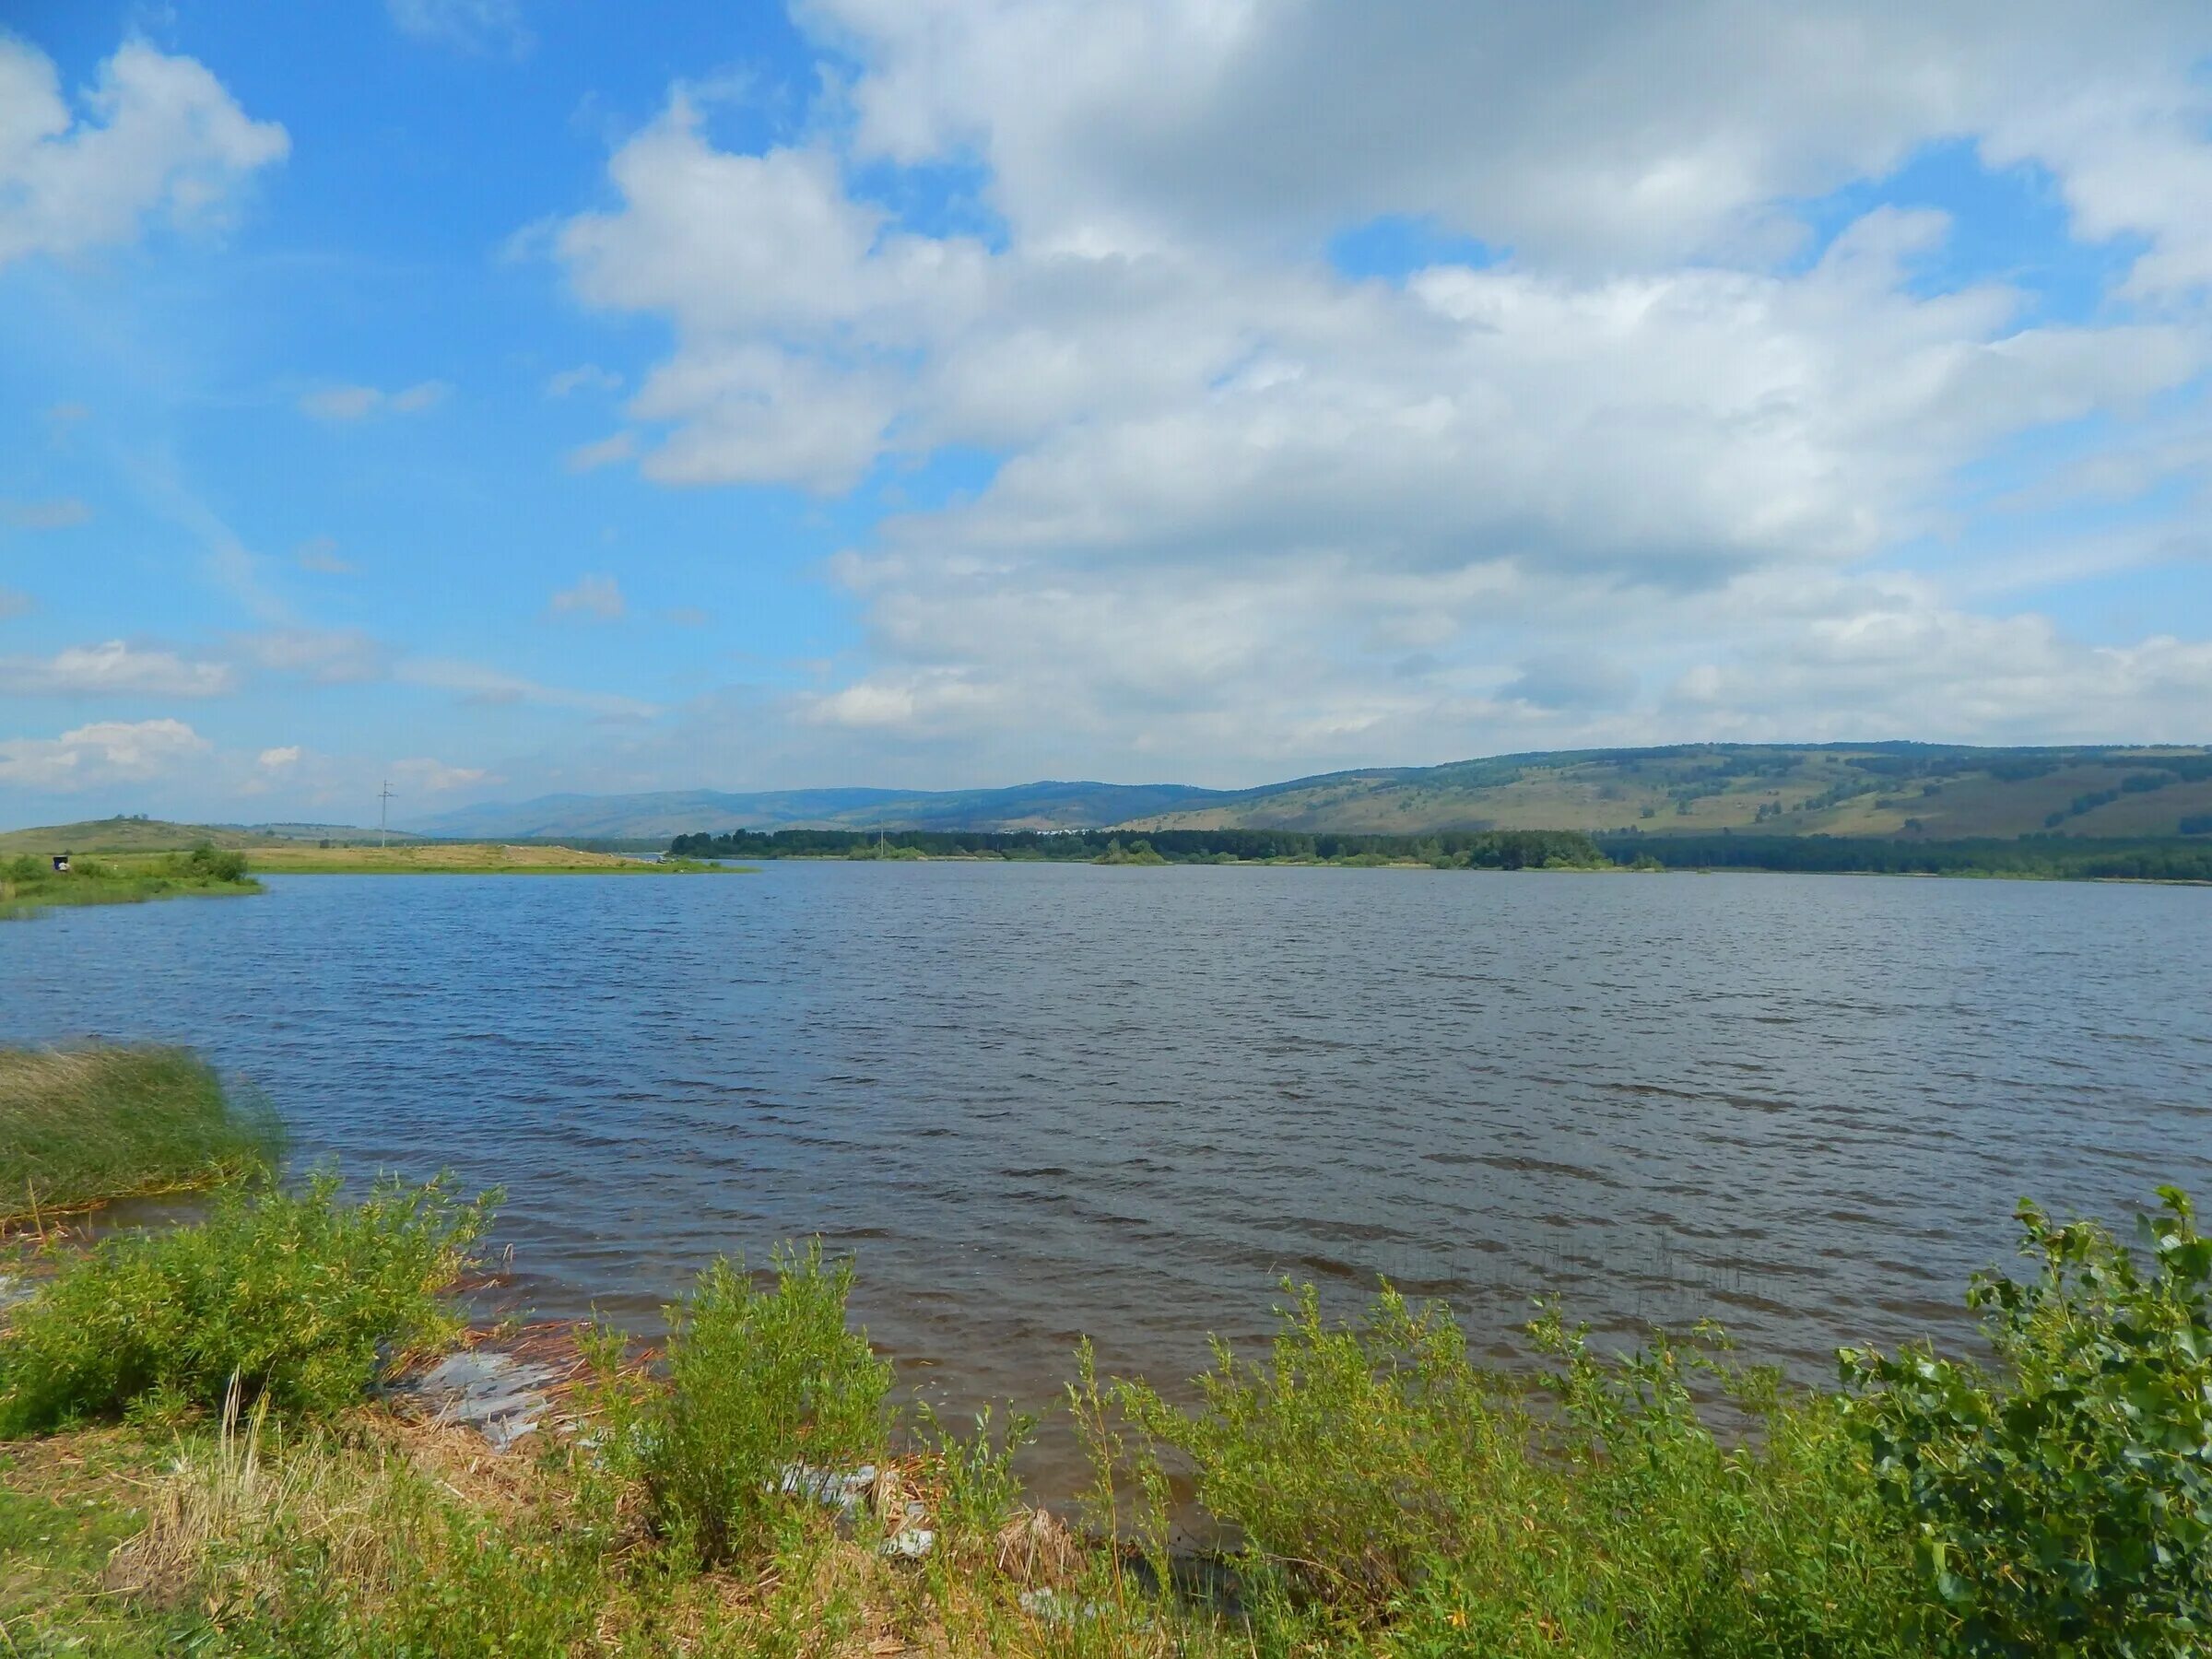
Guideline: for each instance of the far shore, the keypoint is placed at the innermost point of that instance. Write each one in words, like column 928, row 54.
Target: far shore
column 462, row 859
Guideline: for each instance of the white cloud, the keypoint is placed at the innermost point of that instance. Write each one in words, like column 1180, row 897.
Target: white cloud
column 599, row 596
column 357, row 403
column 479, row 684
column 114, row 669
column 60, row 513
column 484, row 27
column 1247, row 505
column 584, row 377
column 1598, row 136
column 424, row 775
column 277, row 760
column 105, row 752
column 160, row 136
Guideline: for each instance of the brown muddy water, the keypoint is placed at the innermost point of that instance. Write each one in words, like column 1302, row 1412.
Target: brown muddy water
column 1040, row 1101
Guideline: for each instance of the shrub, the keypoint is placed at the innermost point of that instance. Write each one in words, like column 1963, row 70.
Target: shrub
column 210, row 862
column 758, row 1379
column 1351, row 1456
column 77, row 1125
column 299, row 1297
column 2066, row 1503
column 978, row 1491
column 1381, row 1482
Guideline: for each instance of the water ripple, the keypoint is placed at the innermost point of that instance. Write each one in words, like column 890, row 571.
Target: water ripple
column 1039, row 1103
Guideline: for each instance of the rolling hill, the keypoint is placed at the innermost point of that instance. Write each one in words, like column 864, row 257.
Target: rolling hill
column 1910, row 790
column 1905, row 790
column 1939, row 792
column 160, row 835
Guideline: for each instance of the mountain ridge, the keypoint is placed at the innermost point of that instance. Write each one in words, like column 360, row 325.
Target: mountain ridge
column 1885, row 788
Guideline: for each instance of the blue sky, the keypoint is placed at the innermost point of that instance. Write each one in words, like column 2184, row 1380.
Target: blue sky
column 506, row 397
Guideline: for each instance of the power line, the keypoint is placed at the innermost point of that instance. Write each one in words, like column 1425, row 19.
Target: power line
column 383, row 808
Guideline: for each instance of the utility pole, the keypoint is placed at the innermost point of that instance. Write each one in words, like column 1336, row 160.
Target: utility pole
column 383, row 808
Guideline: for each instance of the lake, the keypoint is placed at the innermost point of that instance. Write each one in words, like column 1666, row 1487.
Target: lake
column 1042, row 1101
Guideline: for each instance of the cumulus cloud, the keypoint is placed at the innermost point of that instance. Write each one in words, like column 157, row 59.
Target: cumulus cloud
column 159, row 136
column 1595, row 136
column 277, row 760
column 594, row 596
column 105, row 752
column 60, row 513
column 114, row 669
column 1654, row 422
column 357, row 403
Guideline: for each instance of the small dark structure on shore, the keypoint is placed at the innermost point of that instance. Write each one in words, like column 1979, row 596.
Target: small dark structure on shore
column 61, row 864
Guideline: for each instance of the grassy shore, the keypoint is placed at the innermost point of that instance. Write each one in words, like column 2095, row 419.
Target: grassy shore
column 79, row 1126
column 28, row 885
column 196, row 1463
column 304, row 858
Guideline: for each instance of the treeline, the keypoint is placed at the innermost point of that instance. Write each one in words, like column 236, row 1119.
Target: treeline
column 1471, row 849
column 2053, row 857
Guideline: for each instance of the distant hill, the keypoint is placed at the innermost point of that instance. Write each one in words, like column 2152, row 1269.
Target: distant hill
column 1940, row 791
column 1935, row 791
column 1049, row 805
column 1908, row 790
column 160, row 835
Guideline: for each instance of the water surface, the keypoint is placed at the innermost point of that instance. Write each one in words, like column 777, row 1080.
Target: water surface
column 1044, row 1100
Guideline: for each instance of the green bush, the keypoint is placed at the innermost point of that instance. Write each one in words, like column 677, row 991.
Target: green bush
column 2062, row 1504
column 301, row 1297
column 1353, row 1456
column 977, row 1487
column 208, row 863
column 1381, row 1482
column 758, row 1379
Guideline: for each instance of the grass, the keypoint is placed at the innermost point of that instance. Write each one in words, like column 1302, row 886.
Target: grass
column 80, row 1126
column 1387, row 1494
column 304, row 858
column 28, row 885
